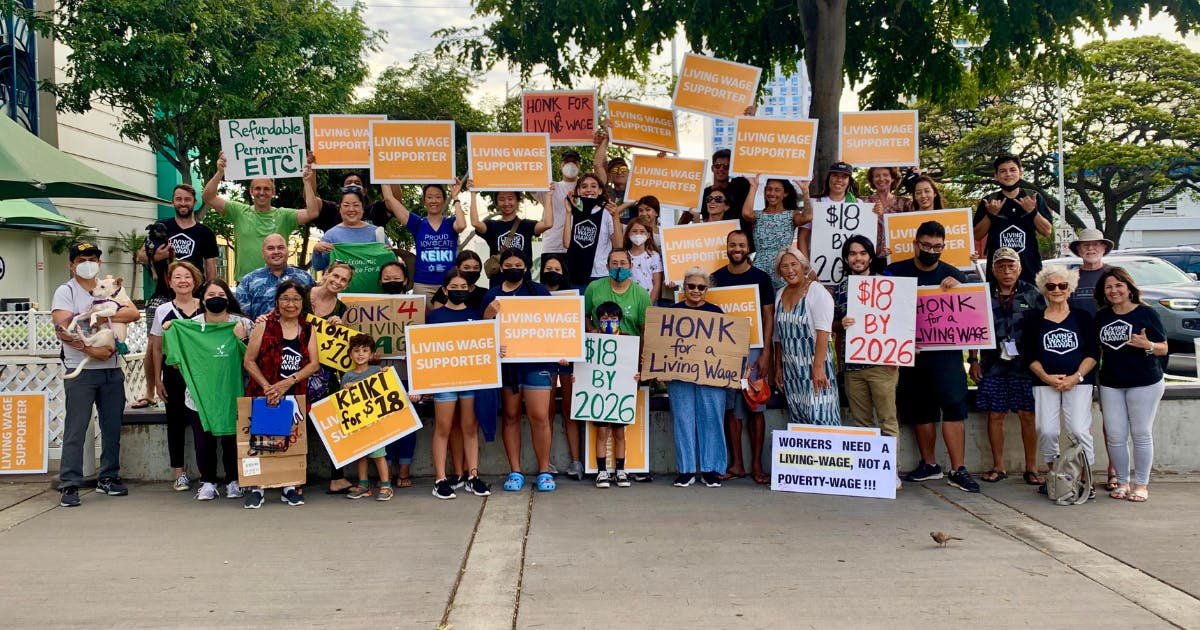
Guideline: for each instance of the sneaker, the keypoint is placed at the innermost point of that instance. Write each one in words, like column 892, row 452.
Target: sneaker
column 233, row 490
column 458, row 482
column 925, row 472
column 112, row 486
column 359, row 491
column 443, row 489
column 685, row 480
column 292, row 497
column 477, row 487
column 622, row 479
column 69, row 497
column 207, row 492
column 962, row 480
column 552, row 470
column 603, row 480
column 711, row 479
column 575, row 471
column 899, row 483
column 182, row 483
column 254, row 500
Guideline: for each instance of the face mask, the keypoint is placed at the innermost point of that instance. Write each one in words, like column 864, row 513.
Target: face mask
column 87, row 269
column 392, row 288
column 638, row 239
column 471, row 277
column 610, row 327
column 216, row 304
column 553, row 278
column 1010, row 188
column 457, row 296
column 928, row 259
column 513, row 275
column 570, row 170
column 588, row 204
column 620, row 274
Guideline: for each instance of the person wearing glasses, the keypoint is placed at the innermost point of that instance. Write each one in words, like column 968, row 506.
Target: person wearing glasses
column 734, row 189
column 803, row 343
column 613, row 174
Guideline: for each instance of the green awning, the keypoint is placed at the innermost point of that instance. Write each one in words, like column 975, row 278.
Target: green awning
column 24, row 214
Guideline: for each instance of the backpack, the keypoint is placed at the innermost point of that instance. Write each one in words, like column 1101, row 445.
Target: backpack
column 1070, row 478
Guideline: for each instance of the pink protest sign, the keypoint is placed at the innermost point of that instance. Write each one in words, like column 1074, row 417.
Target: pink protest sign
column 955, row 319
column 884, row 312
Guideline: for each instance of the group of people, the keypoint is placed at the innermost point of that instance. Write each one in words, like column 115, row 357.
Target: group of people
column 606, row 248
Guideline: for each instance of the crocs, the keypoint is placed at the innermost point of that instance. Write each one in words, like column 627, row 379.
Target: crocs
column 545, row 483
column 515, row 482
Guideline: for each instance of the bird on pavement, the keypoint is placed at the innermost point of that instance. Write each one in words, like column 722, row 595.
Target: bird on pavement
column 941, row 538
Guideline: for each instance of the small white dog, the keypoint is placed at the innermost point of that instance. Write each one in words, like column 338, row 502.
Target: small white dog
column 108, row 297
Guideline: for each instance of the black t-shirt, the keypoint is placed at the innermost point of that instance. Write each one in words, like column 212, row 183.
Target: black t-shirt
column 474, row 299
column 723, row 277
column 1059, row 346
column 928, row 359
column 194, row 245
column 1013, row 227
column 1084, row 296
column 707, row 306
column 585, row 235
column 498, row 238
column 377, row 214
column 1008, row 317
column 1123, row 365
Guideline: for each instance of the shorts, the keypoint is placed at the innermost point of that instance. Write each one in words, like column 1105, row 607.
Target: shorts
column 453, row 396
column 933, row 390
column 533, row 378
column 734, row 400
column 377, row 454
column 562, row 370
column 1002, row 394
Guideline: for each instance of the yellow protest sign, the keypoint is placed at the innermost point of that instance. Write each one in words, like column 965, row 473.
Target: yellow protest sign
column 644, row 126
column 412, row 152
column 509, row 161
column 453, row 357
column 774, row 148
column 737, row 300
column 675, row 182
column 341, row 140
column 637, row 440
column 536, row 329
column 364, row 416
column 694, row 245
column 24, row 426
column 900, row 229
column 384, row 317
column 333, row 343
column 715, row 87
column 883, row 138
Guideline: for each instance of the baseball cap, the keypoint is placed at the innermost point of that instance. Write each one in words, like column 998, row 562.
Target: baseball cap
column 1006, row 253
column 571, row 154
column 82, row 248
column 841, row 167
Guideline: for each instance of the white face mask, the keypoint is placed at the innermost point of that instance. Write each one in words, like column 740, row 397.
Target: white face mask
column 87, row 269
column 570, row 170
column 638, row 239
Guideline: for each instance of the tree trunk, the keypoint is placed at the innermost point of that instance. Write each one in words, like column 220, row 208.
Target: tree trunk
column 824, row 54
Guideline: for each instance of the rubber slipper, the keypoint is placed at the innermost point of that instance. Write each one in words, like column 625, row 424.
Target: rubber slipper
column 515, row 482
column 342, row 491
column 141, row 403
column 545, row 483
column 1120, row 494
column 1033, row 479
column 1139, row 496
column 997, row 476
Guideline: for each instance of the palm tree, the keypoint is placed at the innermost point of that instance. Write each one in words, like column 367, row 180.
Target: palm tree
column 130, row 243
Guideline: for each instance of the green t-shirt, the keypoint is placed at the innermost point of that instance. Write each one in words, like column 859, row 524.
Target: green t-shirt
column 251, row 227
column 210, row 358
column 633, row 302
column 366, row 258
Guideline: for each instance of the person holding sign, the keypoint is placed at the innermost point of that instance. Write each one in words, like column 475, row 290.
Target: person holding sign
column 733, row 191
column 926, row 195
column 608, row 315
column 839, row 187
column 697, row 410
column 324, row 303
column 361, row 348
column 884, row 181
column 553, row 241
column 592, row 230
column 935, row 387
column 352, row 230
column 329, row 213
column 1013, row 217
column 775, row 226
column 618, row 287
column 510, row 230
column 435, row 235
column 256, row 290
column 393, row 279
column 614, row 173
column 554, row 277
column 804, row 343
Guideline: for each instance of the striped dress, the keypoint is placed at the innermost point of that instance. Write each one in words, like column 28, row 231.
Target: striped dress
column 795, row 331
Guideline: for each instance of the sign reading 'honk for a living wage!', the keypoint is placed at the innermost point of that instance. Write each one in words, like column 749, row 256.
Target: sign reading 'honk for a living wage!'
column 412, row 152
column 269, row 148
column 692, row 346
column 568, row 116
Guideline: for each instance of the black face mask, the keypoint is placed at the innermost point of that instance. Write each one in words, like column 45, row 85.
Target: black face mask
column 392, row 288
column 1010, row 188
column 471, row 277
column 216, row 304
column 457, row 296
column 589, row 204
column 513, row 275
column 928, row 259
column 553, row 278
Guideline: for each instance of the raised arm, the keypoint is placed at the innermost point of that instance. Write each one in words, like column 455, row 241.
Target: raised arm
column 309, row 212
column 748, row 205
column 392, row 200
column 600, row 158
column 460, row 217
column 480, row 226
column 210, row 194
column 547, row 221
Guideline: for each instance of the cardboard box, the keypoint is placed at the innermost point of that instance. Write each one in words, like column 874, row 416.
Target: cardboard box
column 272, row 469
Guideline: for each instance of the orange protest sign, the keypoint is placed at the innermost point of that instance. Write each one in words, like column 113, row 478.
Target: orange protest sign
column 886, row 138
column 412, row 152
column 24, row 426
column 644, row 126
column 535, row 329
column 694, row 245
column 637, row 440
column 364, row 416
column 453, row 357
column 341, row 140
column 675, row 182
column 715, row 87
column 737, row 300
column 569, row 116
column 509, row 161
column 900, row 230
column 774, row 147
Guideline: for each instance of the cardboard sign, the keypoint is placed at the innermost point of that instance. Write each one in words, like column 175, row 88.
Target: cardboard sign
column 694, row 245
column 333, row 343
column 604, row 387
column 884, row 309
column 24, row 432
column 341, row 140
column 900, row 230
column 509, row 161
column 773, row 148
column 536, row 329
column 715, row 87
column 453, row 357
column 412, row 152
column 263, row 147
column 637, row 441
column 270, row 462
column 364, row 416
column 955, row 319
column 695, row 347
column 568, row 116
column 884, row 138
column 678, row 183
column 384, row 317
column 832, row 224
column 741, row 300
column 644, row 126
column 833, row 460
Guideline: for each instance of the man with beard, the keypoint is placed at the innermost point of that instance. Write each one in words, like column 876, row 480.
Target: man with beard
column 1013, row 217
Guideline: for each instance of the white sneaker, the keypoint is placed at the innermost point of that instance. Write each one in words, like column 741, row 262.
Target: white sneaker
column 233, row 490
column 622, row 479
column 207, row 492
column 182, row 483
column 603, row 480
column 899, row 484
column 575, row 471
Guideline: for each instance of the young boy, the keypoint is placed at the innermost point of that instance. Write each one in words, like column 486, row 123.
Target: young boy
column 608, row 316
column 362, row 346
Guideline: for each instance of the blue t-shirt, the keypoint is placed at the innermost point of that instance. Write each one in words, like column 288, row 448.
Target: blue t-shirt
column 446, row 315
column 527, row 288
column 435, row 249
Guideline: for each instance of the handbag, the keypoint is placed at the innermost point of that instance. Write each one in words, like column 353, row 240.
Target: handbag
column 491, row 266
column 276, row 420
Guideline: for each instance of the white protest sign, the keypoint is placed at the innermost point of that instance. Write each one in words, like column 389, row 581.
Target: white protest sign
column 884, row 309
column 832, row 224
column 833, row 460
column 604, row 387
column 263, row 147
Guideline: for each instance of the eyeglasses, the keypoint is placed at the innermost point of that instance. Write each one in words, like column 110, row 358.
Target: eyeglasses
column 696, row 287
column 1061, row 286
column 291, row 300
column 933, row 249
column 720, row 165
column 619, row 169
column 714, row 199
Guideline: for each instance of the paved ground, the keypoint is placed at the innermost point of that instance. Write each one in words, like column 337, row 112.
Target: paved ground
column 651, row 556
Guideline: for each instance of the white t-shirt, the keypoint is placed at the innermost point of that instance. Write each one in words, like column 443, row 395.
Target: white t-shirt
column 644, row 268
column 73, row 298
column 552, row 238
column 603, row 246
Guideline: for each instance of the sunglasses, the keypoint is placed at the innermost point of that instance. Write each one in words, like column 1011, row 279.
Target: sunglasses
column 696, row 287
column 1061, row 286
column 619, row 169
column 711, row 199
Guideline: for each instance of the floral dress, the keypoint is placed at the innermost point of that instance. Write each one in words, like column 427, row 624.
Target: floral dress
column 772, row 234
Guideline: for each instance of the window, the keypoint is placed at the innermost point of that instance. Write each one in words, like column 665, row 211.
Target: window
column 18, row 70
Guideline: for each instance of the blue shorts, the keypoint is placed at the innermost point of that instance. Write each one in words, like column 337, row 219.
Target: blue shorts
column 562, row 370
column 1002, row 394
column 452, row 396
column 536, row 379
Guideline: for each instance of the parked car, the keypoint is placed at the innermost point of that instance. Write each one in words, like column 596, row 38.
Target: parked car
column 1173, row 294
column 1186, row 257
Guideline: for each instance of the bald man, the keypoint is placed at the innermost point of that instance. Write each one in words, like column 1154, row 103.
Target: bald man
column 256, row 291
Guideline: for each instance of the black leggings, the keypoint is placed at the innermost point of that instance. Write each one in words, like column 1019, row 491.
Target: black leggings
column 206, row 452
column 178, row 415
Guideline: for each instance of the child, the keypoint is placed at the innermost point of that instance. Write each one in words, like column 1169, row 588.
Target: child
column 644, row 256
column 608, row 315
column 362, row 346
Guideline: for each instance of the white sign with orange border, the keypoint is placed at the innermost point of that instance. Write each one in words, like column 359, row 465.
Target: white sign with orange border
column 833, row 460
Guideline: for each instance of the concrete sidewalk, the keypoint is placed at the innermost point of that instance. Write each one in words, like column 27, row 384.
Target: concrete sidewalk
column 650, row 556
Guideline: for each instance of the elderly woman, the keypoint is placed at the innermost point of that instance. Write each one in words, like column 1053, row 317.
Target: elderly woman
column 1058, row 346
column 698, row 411
column 804, row 343
column 1132, row 339
column 183, row 278
column 884, row 180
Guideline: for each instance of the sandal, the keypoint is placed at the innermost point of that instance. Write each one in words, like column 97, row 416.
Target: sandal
column 545, row 482
column 1112, row 483
column 762, row 478
column 1033, row 479
column 1140, row 495
column 385, row 494
column 403, row 482
column 143, row 403
column 1120, row 493
column 515, row 482
column 996, row 476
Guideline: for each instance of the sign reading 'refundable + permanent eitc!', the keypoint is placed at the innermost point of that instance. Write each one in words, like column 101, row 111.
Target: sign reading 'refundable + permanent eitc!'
column 269, row 148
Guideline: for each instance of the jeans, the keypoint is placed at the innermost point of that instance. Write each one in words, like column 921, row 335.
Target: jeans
column 1129, row 413
column 401, row 451
column 1075, row 408
column 106, row 390
column 698, row 412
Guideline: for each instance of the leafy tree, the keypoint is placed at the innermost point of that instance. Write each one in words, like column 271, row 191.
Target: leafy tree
column 130, row 243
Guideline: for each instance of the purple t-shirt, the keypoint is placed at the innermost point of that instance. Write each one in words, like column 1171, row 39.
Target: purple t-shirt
column 435, row 249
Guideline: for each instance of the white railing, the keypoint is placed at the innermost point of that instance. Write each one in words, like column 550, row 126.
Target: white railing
column 31, row 334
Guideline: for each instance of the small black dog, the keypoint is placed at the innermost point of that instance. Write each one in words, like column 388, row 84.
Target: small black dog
column 156, row 236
